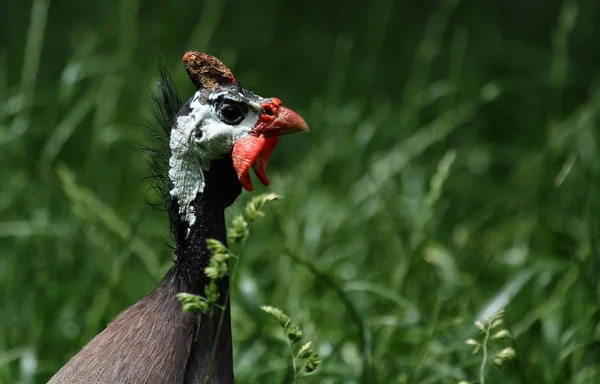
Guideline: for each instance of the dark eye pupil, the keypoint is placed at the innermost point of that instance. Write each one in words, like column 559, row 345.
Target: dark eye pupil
column 232, row 112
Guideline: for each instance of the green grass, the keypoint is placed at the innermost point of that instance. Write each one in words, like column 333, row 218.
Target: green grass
column 452, row 170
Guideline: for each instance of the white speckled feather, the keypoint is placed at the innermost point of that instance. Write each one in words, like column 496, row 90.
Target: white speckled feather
column 197, row 139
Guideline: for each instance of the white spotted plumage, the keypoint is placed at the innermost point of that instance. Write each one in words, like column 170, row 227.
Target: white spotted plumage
column 196, row 140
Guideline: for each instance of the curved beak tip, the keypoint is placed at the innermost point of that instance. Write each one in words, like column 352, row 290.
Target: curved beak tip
column 302, row 126
column 286, row 122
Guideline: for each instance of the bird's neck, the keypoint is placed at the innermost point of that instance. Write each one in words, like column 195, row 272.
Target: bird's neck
column 187, row 275
column 208, row 207
column 191, row 251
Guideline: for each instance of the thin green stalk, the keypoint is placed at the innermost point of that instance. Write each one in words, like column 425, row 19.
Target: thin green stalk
column 222, row 317
column 296, row 373
column 213, row 353
column 484, row 352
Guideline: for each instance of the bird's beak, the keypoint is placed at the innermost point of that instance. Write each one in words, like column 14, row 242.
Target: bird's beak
column 255, row 149
column 285, row 122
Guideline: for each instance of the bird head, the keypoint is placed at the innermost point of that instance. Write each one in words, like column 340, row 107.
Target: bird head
column 223, row 119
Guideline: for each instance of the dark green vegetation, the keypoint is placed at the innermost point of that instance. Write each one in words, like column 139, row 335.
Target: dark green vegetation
column 453, row 169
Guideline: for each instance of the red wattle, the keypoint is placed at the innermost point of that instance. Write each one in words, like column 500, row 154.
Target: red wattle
column 245, row 152
column 260, row 164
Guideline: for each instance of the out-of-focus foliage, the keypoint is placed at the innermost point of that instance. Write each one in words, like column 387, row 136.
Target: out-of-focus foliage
column 453, row 170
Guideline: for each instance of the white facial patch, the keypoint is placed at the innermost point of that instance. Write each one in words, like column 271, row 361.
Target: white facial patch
column 197, row 139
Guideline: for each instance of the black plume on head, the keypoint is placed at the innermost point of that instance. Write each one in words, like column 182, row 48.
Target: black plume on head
column 165, row 104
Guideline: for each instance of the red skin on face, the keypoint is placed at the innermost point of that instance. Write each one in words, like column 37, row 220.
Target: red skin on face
column 255, row 149
column 252, row 151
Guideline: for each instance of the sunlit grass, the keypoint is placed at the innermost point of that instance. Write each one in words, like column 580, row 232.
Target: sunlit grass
column 450, row 173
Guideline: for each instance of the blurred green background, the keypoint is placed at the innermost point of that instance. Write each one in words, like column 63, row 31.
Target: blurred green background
column 452, row 170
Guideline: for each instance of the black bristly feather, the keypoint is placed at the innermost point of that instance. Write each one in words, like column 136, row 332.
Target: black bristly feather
column 165, row 105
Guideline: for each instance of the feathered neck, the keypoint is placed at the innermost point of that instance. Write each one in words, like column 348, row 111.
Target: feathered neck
column 212, row 345
column 221, row 190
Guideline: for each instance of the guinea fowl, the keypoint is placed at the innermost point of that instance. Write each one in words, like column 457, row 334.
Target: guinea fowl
column 214, row 139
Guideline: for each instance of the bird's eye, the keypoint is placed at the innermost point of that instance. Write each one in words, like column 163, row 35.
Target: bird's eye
column 232, row 112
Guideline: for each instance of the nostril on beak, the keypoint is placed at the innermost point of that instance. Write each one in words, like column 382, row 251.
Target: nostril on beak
column 271, row 108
